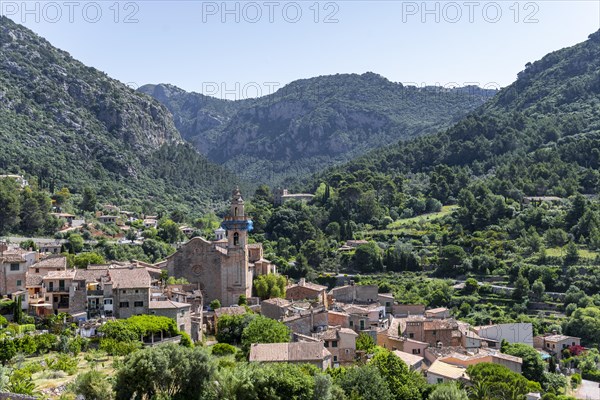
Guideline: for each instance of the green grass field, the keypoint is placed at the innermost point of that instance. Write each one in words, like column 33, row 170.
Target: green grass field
column 561, row 252
column 446, row 210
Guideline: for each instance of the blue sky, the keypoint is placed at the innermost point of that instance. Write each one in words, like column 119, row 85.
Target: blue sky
column 240, row 49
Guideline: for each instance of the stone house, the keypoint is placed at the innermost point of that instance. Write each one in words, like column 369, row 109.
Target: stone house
column 58, row 289
column 304, row 290
column 437, row 313
column 406, row 310
column 49, row 248
column 495, row 357
column 295, row 353
column 555, row 343
column 361, row 294
column 14, row 264
column 414, row 362
column 178, row 312
column 131, row 291
column 341, row 343
column 275, row 308
column 436, row 332
column 440, row 372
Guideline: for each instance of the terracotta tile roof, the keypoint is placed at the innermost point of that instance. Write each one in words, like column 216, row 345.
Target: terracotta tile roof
column 129, row 278
column 254, row 245
column 277, row 302
column 440, row 324
column 409, row 359
column 91, row 275
column 67, row 274
column 558, row 338
column 33, row 280
column 436, row 310
column 447, row 371
column 168, row 304
column 300, row 351
column 52, row 262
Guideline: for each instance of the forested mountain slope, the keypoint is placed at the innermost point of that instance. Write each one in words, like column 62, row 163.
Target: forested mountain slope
column 69, row 124
column 538, row 136
column 314, row 123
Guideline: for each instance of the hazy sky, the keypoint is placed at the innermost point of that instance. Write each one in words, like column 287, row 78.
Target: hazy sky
column 240, row 49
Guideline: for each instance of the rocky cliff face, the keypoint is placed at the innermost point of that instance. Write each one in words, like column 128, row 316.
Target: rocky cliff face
column 311, row 124
column 73, row 125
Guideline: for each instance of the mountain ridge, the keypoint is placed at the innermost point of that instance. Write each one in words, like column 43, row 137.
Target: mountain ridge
column 311, row 123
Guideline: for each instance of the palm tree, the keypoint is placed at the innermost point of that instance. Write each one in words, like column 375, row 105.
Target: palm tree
column 480, row 390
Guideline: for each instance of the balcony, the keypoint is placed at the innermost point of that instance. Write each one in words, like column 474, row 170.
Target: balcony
column 95, row 292
column 58, row 289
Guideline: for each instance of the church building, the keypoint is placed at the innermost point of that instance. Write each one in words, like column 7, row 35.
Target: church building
column 223, row 268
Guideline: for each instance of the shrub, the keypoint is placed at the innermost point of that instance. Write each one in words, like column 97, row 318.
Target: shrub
column 45, row 342
column 186, row 340
column 575, row 380
column 223, row 349
column 116, row 348
column 593, row 375
column 92, row 385
column 63, row 362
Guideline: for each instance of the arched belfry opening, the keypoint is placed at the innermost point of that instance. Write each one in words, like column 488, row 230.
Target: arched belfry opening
column 236, row 239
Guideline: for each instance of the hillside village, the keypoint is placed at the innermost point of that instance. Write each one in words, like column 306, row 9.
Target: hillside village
column 326, row 324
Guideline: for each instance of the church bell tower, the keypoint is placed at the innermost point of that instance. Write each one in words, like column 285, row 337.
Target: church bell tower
column 237, row 277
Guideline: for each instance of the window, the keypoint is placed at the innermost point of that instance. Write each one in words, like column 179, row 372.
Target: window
column 416, row 351
column 124, row 291
column 326, row 344
column 236, row 239
column 440, row 380
column 182, row 327
column 137, row 291
column 351, row 324
column 37, row 270
column 347, row 351
column 14, row 267
column 362, row 324
column 411, row 335
column 334, row 358
column 433, row 333
column 18, row 282
column 334, row 343
column 124, row 304
column 138, row 304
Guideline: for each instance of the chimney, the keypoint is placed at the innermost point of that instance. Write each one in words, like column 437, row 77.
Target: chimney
column 302, row 282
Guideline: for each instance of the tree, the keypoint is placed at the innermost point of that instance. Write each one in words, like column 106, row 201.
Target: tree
column 538, row 288
column 264, row 330
column 368, row 258
column 167, row 371
column 231, row 327
column 92, row 385
column 533, row 365
column 449, row 391
column 497, row 382
column 572, row 255
column 242, row 300
column 216, row 303
column 18, row 310
column 270, row 286
column 7, row 350
column 521, row 291
column 89, row 201
column 451, row 256
column 365, row 342
column 82, row 260
column 403, row 383
column 584, row 323
column 169, row 231
column 76, row 243
column 365, row 383
column 471, row 286
column 10, row 205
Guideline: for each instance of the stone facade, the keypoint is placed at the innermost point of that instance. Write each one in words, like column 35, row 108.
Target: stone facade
column 222, row 269
column 178, row 312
